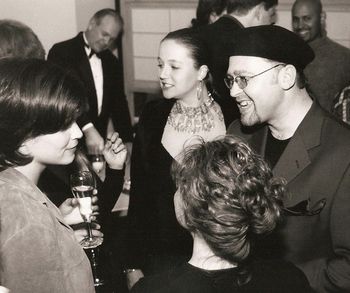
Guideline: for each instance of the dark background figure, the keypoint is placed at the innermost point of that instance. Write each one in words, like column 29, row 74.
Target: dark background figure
column 18, row 40
column 87, row 57
column 208, row 11
column 329, row 72
column 303, row 144
column 156, row 241
column 239, row 14
column 228, row 199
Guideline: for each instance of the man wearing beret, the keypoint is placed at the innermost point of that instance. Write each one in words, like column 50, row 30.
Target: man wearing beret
column 239, row 14
column 303, row 144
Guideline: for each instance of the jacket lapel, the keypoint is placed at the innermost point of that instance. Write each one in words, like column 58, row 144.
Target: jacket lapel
column 86, row 74
column 295, row 157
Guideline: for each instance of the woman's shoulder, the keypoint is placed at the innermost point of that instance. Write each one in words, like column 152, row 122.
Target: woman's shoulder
column 278, row 276
column 182, row 279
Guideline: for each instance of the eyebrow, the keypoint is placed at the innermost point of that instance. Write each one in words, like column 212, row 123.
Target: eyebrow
column 239, row 73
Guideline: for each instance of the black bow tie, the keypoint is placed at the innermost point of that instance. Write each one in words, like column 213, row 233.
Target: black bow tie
column 92, row 52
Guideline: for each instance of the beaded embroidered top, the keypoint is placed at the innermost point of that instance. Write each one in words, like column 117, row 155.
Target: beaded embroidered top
column 194, row 119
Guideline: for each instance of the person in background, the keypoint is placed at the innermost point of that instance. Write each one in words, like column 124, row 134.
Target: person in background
column 227, row 198
column 18, row 40
column 239, row 14
column 303, row 144
column 39, row 105
column 156, row 241
column 208, row 11
column 328, row 73
column 88, row 58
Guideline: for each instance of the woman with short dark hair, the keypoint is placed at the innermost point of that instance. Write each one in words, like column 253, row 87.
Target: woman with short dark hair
column 39, row 105
column 226, row 198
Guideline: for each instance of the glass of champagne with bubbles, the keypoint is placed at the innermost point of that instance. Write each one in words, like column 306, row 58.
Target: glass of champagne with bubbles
column 82, row 186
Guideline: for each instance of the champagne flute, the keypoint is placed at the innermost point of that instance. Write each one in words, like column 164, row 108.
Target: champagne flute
column 97, row 162
column 82, row 186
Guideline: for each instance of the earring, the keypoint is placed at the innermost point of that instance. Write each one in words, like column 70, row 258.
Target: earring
column 199, row 90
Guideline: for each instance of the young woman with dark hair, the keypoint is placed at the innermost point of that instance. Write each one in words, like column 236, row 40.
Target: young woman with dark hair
column 156, row 241
column 39, row 105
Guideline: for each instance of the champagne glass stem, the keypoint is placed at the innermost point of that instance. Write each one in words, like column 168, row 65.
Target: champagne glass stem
column 89, row 230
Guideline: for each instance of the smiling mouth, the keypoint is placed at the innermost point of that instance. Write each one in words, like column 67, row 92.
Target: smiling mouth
column 166, row 85
column 243, row 104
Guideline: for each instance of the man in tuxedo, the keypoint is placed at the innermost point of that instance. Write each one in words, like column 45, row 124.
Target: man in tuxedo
column 303, row 144
column 240, row 14
column 86, row 56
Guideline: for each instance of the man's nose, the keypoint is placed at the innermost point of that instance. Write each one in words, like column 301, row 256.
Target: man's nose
column 76, row 132
column 235, row 90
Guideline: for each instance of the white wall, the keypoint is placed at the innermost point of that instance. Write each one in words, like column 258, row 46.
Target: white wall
column 86, row 8
column 53, row 20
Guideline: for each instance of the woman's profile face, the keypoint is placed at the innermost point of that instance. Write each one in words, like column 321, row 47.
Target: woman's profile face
column 56, row 148
column 177, row 74
column 179, row 209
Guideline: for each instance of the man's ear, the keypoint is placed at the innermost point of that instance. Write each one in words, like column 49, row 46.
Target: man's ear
column 203, row 72
column 287, row 77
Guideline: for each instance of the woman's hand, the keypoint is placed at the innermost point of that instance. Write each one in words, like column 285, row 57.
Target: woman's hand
column 115, row 152
column 70, row 210
column 82, row 233
column 132, row 277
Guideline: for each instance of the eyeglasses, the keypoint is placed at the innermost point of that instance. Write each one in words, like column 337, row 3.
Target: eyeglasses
column 242, row 81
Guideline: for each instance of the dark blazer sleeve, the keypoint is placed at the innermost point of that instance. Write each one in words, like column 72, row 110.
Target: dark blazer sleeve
column 333, row 274
column 138, row 219
column 64, row 57
column 120, row 110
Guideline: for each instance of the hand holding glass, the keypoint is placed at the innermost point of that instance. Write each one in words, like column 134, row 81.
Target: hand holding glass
column 82, row 185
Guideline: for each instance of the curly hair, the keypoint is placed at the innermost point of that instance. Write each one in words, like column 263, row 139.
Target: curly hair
column 229, row 195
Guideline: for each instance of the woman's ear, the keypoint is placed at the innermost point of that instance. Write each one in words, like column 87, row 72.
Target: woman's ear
column 203, row 72
column 287, row 77
column 26, row 147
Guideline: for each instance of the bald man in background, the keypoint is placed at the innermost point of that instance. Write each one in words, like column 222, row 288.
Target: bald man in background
column 329, row 72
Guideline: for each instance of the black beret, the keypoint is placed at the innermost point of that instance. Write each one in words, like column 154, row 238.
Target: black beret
column 271, row 42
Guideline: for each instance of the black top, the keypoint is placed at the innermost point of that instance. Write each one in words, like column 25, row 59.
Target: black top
column 267, row 277
column 274, row 148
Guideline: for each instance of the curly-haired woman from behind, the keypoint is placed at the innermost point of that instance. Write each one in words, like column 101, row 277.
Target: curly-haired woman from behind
column 226, row 198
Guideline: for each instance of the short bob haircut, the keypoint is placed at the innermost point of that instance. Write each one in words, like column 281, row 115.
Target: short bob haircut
column 18, row 40
column 36, row 98
column 229, row 195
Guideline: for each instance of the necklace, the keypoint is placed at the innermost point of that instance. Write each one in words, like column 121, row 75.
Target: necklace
column 194, row 119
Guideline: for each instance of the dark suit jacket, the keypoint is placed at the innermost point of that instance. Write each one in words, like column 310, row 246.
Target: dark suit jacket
column 71, row 55
column 315, row 164
column 217, row 35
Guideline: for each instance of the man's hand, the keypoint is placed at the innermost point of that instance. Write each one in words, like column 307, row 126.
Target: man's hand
column 94, row 141
column 115, row 152
column 70, row 211
column 133, row 277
